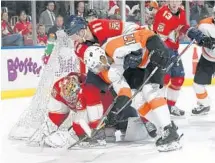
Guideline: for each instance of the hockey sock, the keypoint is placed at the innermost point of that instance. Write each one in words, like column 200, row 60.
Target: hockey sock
column 156, row 112
column 173, row 90
column 58, row 118
column 201, row 94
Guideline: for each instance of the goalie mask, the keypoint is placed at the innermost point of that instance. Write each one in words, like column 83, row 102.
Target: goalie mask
column 69, row 88
column 96, row 59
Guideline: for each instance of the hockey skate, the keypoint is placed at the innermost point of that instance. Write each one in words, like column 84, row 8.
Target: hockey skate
column 169, row 140
column 175, row 111
column 201, row 110
column 151, row 129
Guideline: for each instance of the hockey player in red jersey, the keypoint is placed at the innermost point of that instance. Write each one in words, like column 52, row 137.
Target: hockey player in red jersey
column 97, row 31
column 71, row 94
column 169, row 22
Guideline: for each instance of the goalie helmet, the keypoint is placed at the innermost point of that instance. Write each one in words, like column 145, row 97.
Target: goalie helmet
column 96, row 59
column 74, row 25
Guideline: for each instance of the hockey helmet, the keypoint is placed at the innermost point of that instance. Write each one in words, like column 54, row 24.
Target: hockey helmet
column 95, row 59
column 74, row 25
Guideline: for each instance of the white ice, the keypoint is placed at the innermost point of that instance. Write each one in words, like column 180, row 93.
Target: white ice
column 198, row 140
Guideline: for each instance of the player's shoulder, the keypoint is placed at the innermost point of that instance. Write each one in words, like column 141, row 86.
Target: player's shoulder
column 97, row 22
column 208, row 20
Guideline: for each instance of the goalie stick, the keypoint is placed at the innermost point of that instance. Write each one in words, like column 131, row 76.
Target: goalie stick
column 152, row 73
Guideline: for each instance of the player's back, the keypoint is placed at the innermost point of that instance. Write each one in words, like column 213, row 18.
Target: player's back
column 118, row 47
column 103, row 29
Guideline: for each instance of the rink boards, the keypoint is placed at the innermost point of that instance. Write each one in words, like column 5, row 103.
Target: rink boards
column 21, row 69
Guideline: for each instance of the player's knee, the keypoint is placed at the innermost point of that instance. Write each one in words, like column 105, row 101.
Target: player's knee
column 177, row 82
column 78, row 129
column 95, row 112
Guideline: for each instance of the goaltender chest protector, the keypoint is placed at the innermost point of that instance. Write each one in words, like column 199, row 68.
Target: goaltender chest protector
column 207, row 27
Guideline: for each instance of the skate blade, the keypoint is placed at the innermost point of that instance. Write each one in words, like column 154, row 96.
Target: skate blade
column 200, row 114
column 170, row 147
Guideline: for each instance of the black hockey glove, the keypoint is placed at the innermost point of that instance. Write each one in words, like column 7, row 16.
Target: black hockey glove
column 159, row 58
column 133, row 59
column 201, row 39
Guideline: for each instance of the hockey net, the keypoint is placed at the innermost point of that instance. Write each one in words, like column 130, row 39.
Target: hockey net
column 62, row 61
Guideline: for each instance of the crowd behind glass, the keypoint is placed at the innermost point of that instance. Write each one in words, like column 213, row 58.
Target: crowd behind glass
column 16, row 17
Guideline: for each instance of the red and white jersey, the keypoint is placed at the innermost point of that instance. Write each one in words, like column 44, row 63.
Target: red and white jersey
column 169, row 26
column 103, row 29
column 82, row 98
column 207, row 27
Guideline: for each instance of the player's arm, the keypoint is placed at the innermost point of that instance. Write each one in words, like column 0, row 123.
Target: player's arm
column 197, row 34
column 115, row 77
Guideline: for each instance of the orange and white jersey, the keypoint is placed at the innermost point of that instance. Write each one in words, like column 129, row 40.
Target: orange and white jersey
column 207, row 27
column 119, row 47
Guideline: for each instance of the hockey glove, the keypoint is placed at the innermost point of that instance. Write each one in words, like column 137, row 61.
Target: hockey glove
column 133, row 59
column 201, row 39
column 159, row 58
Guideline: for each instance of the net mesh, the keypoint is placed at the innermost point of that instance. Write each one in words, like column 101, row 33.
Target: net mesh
column 62, row 61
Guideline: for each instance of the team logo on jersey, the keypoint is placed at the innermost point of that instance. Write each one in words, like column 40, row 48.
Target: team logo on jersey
column 114, row 25
column 161, row 27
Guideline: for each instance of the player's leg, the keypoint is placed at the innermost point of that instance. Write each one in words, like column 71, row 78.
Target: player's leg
column 203, row 77
column 135, row 78
column 173, row 90
column 157, row 112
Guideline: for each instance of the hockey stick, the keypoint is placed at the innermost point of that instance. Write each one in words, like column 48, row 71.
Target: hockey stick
column 179, row 56
column 152, row 73
column 99, row 126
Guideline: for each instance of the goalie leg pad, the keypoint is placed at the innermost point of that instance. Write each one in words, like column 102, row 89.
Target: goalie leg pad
column 61, row 139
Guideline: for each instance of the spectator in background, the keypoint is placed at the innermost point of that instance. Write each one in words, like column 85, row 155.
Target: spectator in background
column 204, row 11
column 47, row 17
column 8, row 38
column 23, row 26
column 115, row 10
column 80, row 9
column 41, row 35
column 59, row 25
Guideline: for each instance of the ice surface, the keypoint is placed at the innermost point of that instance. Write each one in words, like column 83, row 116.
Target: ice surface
column 198, row 141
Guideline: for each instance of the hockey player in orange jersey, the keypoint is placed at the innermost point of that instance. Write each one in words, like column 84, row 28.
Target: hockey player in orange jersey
column 205, row 67
column 98, row 31
column 145, row 50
